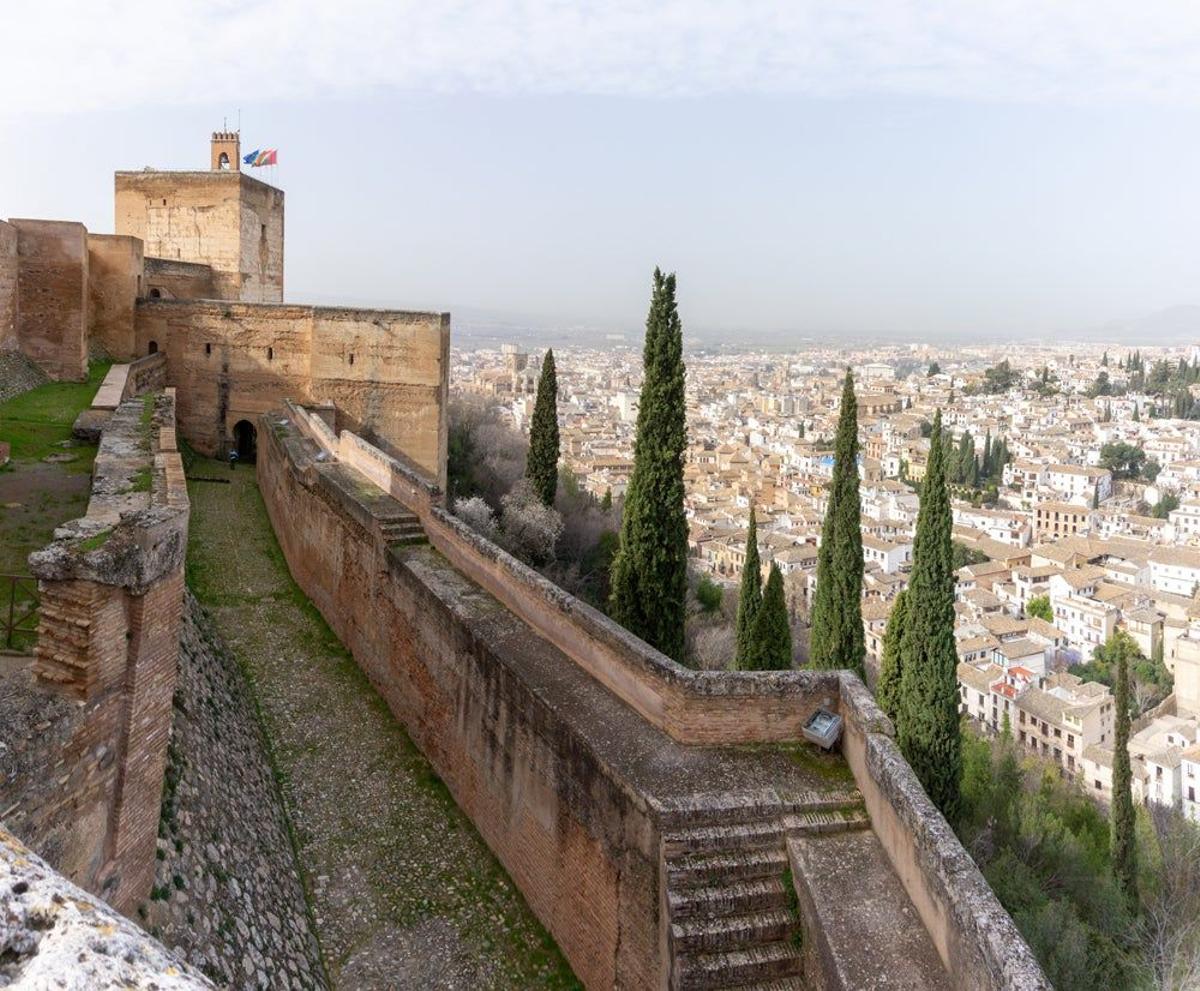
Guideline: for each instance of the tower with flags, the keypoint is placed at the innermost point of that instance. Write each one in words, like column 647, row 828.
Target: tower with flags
column 224, row 218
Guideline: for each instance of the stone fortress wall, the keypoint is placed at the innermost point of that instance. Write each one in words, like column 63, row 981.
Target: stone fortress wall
column 386, row 372
column 581, row 836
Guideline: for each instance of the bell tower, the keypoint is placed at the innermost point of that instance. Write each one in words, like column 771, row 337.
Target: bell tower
column 226, row 151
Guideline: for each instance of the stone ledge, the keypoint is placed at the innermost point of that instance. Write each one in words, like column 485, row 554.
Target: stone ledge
column 54, row 935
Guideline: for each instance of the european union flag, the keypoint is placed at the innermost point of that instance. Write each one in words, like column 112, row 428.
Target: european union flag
column 249, row 159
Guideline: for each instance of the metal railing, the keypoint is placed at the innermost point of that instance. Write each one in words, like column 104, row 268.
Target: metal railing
column 18, row 610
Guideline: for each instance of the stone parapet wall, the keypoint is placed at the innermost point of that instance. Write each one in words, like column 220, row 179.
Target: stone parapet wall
column 975, row 937
column 111, row 589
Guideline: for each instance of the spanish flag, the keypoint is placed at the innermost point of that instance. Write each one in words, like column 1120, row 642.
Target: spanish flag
column 267, row 156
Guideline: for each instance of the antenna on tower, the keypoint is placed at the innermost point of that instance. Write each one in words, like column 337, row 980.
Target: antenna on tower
column 239, row 120
column 224, row 123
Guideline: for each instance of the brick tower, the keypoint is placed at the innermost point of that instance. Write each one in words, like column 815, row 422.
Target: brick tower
column 226, row 151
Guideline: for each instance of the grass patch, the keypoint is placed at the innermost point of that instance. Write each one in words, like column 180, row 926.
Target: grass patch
column 37, row 421
column 94, row 542
column 143, row 478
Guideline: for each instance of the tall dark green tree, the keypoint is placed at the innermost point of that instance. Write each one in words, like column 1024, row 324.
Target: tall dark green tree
column 837, row 630
column 649, row 572
column 1123, row 843
column 887, row 688
column 749, row 596
column 542, row 466
column 928, row 728
column 771, row 635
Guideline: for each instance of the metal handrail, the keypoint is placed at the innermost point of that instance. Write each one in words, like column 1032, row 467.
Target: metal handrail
column 24, row 588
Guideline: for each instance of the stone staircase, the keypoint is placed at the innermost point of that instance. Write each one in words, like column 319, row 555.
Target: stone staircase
column 401, row 528
column 732, row 909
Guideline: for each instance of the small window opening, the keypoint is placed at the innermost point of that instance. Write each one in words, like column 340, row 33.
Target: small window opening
column 223, row 161
column 164, row 202
column 270, row 354
column 352, row 359
column 208, row 348
column 153, row 348
column 155, row 294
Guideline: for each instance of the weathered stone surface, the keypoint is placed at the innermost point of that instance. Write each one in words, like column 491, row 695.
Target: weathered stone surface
column 53, row 935
column 225, row 219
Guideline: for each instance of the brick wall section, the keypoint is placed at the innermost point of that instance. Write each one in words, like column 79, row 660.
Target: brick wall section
column 52, row 296
column 115, row 276
column 579, row 845
column 387, row 371
column 111, row 588
column 227, row 220
column 8, row 287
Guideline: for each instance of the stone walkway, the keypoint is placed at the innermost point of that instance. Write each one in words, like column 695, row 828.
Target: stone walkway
column 404, row 892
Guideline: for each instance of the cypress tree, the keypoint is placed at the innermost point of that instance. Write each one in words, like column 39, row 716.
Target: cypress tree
column 837, row 630
column 542, row 467
column 771, row 635
column 749, row 596
column 987, row 454
column 887, row 688
column 1124, row 848
column 649, row 572
column 928, row 724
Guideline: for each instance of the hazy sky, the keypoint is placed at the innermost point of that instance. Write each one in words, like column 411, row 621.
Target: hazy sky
column 942, row 166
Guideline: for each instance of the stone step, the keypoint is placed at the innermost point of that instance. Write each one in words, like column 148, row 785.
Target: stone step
column 706, row 870
column 737, row 968
column 729, row 899
column 714, row 839
column 833, row 821
column 733, row 932
column 783, row 984
column 728, row 808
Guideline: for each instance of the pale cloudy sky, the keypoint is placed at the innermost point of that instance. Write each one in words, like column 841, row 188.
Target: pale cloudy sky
column 944, row 166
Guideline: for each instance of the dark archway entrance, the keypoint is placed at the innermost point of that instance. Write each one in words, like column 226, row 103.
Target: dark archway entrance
column 153, row 348
column 245, row 441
